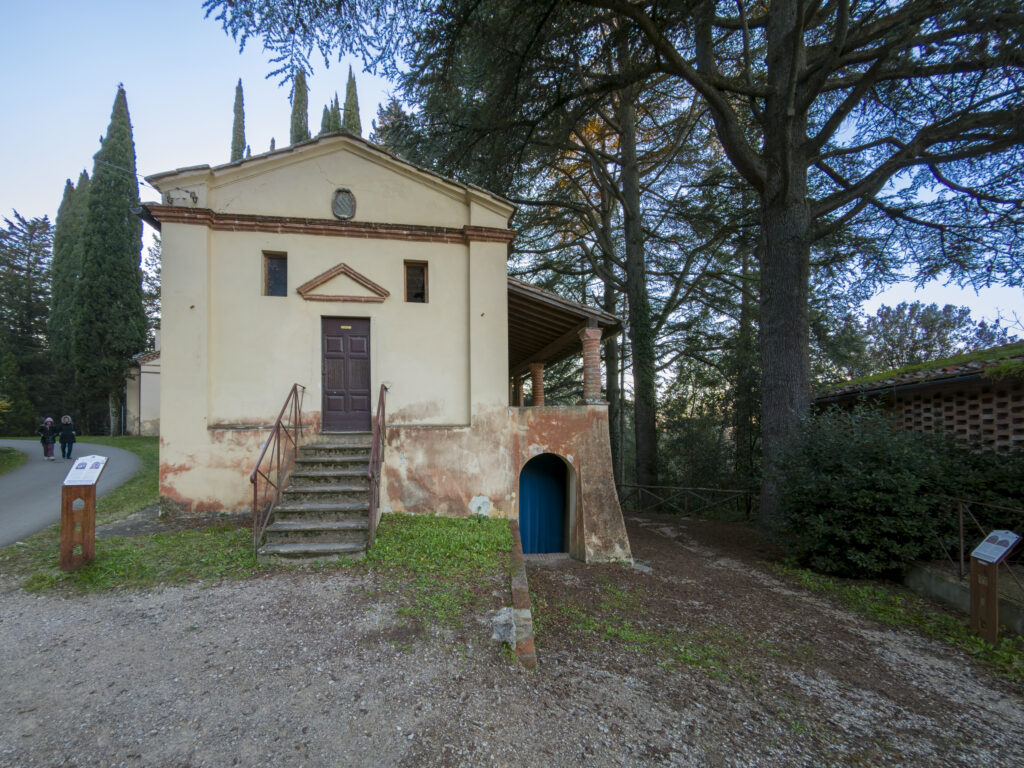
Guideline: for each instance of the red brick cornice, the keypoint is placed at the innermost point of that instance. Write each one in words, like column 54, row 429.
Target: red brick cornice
column 243, row 222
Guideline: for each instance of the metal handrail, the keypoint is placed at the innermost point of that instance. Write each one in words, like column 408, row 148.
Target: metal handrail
column 677, row 498
column 376, row 455
column 280, row 462
column 963, row 509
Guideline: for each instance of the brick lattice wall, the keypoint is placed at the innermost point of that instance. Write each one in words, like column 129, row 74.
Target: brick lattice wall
column 988, row 412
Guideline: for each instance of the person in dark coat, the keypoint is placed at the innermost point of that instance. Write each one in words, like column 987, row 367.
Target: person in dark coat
column 67, row 437
column 48, row 436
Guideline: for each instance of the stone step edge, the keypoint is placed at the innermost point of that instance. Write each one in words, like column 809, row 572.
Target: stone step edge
column 289, row 526
column 325, row 488
column 352, row 506
column 312, row 548
column 362, row 458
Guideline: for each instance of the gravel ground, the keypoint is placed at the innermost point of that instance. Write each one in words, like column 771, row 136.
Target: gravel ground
column 317, row 669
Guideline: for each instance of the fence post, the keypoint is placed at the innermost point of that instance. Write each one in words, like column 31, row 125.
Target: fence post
column 985, row 599
column 960, row 515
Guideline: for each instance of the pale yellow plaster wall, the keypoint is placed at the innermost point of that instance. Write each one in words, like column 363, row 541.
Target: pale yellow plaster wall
column 301, row 184
column 132, row 398
column 230, row 354
column 488, row 325
column 184, row 442
column 284, row 186
column 149, row 398
column 260, row 344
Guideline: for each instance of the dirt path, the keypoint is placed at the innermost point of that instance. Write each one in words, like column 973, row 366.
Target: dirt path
column 696, row 657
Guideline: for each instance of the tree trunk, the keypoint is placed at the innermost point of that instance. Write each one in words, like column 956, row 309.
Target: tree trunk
column 786, row 228
column 744, row 373
column 641, row 330
column 611, row 387
column 785, row 365
column 114, row 410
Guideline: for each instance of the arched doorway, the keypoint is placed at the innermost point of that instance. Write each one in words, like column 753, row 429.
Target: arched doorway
column 544, row 504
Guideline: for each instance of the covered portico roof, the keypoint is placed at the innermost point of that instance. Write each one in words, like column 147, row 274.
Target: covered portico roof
column 545, row 328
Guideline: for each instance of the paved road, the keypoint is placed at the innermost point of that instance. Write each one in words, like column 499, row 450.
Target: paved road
column 30, row 494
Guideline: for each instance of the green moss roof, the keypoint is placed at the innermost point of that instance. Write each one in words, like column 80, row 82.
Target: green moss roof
column 996, row 362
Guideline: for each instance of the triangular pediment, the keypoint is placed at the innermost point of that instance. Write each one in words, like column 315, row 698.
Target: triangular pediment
column 318, row 289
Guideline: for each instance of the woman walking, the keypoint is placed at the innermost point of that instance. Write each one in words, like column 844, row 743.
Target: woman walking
column 67, row 437
column 48, row 436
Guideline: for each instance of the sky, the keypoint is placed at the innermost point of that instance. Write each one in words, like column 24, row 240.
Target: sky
column 63, row 64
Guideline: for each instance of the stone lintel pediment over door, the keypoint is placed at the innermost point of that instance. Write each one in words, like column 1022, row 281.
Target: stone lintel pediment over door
column 377, row 293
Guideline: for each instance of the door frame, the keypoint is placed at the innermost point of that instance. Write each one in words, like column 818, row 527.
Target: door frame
column 323, row 369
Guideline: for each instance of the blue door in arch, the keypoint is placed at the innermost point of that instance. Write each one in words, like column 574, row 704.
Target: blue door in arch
column 542, row 493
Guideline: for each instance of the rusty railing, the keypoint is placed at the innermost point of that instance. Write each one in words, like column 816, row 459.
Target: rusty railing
column 677, row 499
column 967, row 541
column 275, row 462
column 376, row 456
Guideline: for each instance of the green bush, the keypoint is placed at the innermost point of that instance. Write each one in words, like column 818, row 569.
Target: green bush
column 861, row 498
column 854, row 494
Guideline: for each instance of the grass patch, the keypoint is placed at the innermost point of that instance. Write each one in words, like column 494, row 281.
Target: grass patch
column 11, row 459
column 143, row 562
column 439, row 567
column 618, row 616
column 143, row 490
column 38, row 554
column 896, row 608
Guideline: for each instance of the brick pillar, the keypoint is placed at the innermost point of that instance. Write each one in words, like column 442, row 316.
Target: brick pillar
column 537, row 377
column 517, row 391
column 591, row 338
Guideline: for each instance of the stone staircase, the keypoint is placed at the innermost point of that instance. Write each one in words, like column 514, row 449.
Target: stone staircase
column 324, row 512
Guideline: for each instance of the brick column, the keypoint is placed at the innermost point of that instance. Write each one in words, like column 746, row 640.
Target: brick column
column 591, row 338
column 517, row 391
column 537, row 377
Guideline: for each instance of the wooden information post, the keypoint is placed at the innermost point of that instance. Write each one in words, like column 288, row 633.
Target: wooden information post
column 985, row 561
column 78, row 512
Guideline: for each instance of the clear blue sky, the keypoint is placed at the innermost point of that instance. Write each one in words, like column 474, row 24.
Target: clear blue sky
column 63, row 61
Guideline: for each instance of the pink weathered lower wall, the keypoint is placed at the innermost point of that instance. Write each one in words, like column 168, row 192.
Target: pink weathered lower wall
column 452, row 471
column 213, row 477
column 213, row 474
column 458, row 471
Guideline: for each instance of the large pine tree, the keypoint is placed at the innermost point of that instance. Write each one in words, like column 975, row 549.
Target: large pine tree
column 25, row 255
column 64, row 273
column 350, row 120
column 300, row 109
column 238, row 128
column 110, row 323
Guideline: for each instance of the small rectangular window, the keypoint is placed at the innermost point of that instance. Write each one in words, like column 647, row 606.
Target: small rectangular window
column 416, row 281
column 275, row 274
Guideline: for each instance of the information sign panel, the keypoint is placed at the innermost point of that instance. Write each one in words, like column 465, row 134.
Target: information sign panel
column 995, row 546
column 86, row 470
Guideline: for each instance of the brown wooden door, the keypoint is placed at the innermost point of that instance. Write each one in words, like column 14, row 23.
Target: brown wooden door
column 346, row 374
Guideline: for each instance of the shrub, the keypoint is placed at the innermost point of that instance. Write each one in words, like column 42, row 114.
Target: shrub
column 861, row 498
column 855, row 493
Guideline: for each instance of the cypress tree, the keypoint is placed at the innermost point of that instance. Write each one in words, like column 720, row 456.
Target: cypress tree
column 335, row 115
column 238, row 129
column 325, row 122
column 300, row 111
column 64, row 273
column 273, row 144
column 351, row 119
column 109, row 320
